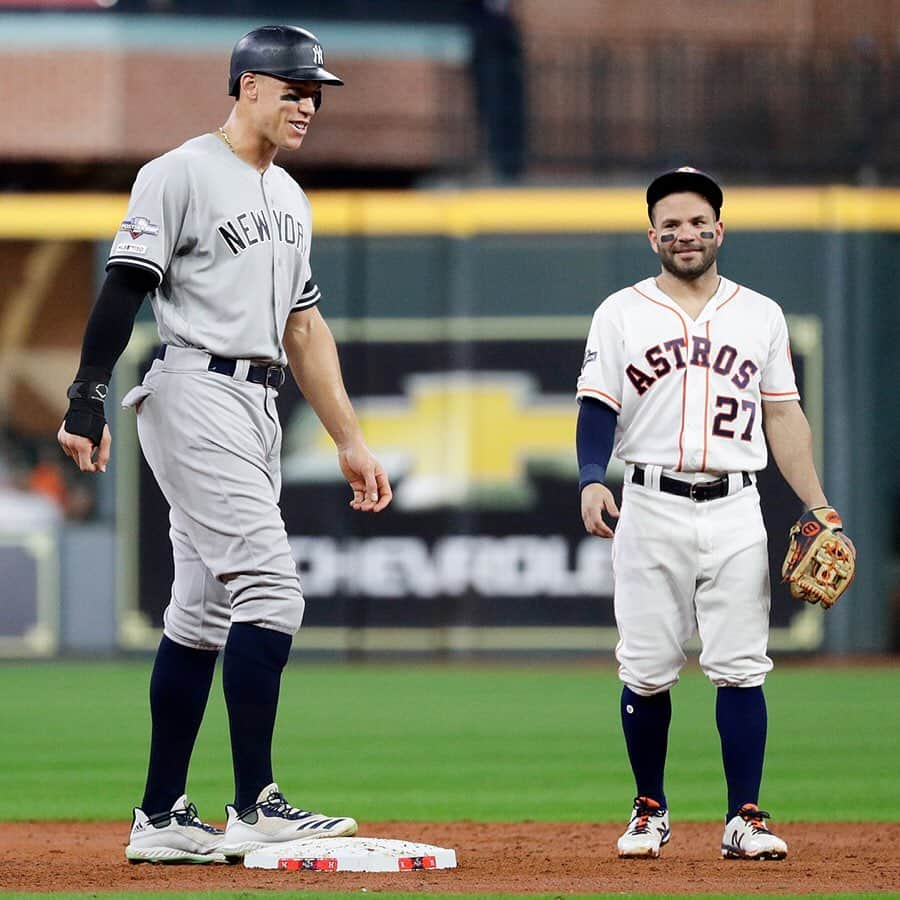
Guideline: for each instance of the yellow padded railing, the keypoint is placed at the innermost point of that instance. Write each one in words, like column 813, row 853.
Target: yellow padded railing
column 470, row 212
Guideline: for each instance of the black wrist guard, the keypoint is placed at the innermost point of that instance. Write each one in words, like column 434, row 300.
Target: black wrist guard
column 93, row 391
column 86, row 416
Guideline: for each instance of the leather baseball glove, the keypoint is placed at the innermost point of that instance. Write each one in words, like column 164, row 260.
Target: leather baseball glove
column 821, row 560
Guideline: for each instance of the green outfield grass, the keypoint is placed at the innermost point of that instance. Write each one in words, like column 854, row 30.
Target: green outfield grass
column 451, row 742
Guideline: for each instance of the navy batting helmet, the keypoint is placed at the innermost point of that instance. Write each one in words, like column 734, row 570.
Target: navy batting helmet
column 283, row 51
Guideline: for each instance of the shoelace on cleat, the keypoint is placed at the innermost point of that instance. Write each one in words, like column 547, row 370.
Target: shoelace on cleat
column 641, row 825
column 191, row 817
column 276, row 803
column 186, row 816
column 754, row 818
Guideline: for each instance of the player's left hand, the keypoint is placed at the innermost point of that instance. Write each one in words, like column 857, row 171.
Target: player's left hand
column 366, row 476
column 821, row 560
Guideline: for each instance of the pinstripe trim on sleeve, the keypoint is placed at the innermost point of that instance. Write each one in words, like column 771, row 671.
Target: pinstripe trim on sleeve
column 138, row 263
column 783, row 395
column 310, row 297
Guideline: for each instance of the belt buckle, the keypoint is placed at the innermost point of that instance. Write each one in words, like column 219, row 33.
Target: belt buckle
column 691, row 494
column 278, row 380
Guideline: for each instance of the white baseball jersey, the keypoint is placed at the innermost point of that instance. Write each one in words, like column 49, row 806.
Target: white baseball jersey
column 228, row 245
column 688, row 392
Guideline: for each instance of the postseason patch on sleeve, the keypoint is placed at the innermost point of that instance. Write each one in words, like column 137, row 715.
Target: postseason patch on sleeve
column 138, row 225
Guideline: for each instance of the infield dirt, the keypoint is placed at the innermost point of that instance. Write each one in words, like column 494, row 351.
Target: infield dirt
column 526, row 857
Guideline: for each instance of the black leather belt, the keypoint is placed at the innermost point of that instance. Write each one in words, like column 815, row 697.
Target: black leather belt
column 271, row 376
column 699, row 492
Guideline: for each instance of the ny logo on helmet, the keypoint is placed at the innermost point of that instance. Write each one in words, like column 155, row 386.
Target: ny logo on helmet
column 318, row 55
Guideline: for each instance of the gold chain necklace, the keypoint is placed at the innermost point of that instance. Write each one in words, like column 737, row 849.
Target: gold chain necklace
column 224, row 135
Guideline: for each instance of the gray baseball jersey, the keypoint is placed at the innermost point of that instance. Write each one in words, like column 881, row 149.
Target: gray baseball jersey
column 230, row 249
column 228, row 245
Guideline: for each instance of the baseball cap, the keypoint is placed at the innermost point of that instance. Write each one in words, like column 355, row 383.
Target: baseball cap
column 686, row 178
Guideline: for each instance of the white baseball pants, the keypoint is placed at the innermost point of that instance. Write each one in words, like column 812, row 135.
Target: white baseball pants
column 680, row 565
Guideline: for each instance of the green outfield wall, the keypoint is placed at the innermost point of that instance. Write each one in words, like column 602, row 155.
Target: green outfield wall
column 833, row 255
column 505, row 282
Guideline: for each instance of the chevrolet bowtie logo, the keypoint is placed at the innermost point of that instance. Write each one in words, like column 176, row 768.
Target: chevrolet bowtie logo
column 452, row 438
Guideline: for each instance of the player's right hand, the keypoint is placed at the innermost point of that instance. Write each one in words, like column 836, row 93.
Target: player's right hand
column 366, row 476
column 595, row 500
column 88, row 457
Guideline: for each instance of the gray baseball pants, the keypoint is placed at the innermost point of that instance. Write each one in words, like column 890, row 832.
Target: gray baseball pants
column 213, row 443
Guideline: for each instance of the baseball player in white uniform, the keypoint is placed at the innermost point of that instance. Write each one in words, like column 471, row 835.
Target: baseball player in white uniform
column 219, row 236
column 685, row 375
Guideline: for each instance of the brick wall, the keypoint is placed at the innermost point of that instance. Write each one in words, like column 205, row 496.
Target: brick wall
column 729, row 21
column 110, row 105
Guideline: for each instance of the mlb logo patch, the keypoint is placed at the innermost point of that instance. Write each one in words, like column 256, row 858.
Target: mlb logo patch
column 125, row 247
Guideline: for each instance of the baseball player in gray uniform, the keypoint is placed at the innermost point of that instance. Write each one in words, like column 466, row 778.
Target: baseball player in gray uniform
column 219, row 237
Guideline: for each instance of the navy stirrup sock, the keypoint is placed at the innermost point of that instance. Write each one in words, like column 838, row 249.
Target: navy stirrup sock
column 251, row 677
column 645, row 721
column 179, row 689
column 742, row 721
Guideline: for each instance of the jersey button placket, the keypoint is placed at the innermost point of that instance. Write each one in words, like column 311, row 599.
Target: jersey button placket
column 693, row 422
column 694, row 413
column 275, row 249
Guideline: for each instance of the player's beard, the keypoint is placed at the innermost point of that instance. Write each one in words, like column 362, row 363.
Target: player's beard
column 673, row 264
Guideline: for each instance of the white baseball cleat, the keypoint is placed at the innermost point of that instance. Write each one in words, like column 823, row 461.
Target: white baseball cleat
column 647, row 831
column 748, row 837
column 272, row 820
column 177, row 836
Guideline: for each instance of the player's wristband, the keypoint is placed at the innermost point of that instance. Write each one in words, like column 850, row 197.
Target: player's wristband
column 86, row 416
column 91, row 391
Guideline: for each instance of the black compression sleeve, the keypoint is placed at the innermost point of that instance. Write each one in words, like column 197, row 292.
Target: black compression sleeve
column 111, row 321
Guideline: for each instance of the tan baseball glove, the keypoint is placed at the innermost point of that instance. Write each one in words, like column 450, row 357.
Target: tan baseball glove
column 821, row 560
